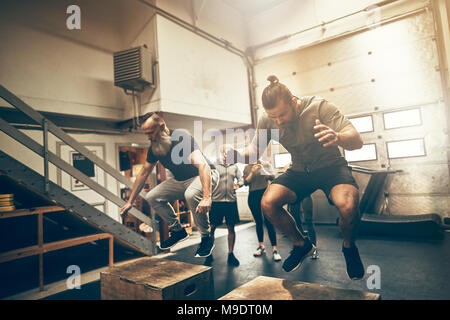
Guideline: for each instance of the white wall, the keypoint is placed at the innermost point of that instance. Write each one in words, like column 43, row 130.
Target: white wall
column 213, row 16
column 199, row 78
column 54, row 74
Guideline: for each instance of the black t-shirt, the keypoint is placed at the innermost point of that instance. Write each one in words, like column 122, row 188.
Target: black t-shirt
column 177, row 159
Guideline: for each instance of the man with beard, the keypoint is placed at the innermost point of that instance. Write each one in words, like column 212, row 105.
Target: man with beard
column 311, row 129
column 194, row 178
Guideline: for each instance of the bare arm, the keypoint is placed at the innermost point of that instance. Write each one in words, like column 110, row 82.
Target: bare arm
column 138, row 185
column 256, row 169
column 239, row 177
column 204, row 171
column 249, row 178
column 231, row 155
column 347, row 138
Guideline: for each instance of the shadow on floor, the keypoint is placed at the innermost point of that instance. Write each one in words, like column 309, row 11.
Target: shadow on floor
column 410, row 268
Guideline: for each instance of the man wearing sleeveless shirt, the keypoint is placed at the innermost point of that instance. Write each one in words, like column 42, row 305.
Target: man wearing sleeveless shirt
column 194, row 179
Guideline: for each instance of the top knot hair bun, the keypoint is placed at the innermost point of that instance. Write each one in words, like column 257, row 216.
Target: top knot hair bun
column 273, row 80
column 274, row 92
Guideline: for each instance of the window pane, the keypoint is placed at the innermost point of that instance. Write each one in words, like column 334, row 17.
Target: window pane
column 400, row 119
column 282, row 159
column 363, row 124
column 406, row 148
column 366, row 153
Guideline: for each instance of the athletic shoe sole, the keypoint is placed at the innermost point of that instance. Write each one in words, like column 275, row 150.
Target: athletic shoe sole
column 304, row 257
column 356, row 278
column 185, row 238
column 205, row 256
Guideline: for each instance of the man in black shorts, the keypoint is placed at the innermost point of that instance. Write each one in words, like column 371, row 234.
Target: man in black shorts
column 311, row 129
column 303, row 216
column 224, row 204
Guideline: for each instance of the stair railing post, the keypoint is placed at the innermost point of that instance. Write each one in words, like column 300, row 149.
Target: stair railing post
column 45, row 140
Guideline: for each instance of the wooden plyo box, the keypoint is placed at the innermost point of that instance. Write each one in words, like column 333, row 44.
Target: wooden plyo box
column 152, row 278
column 267, row 288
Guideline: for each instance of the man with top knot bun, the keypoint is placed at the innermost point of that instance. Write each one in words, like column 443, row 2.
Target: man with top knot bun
column 311, row 129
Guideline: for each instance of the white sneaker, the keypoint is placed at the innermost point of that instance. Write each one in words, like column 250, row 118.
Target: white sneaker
column 276, row 256
column 315, row 255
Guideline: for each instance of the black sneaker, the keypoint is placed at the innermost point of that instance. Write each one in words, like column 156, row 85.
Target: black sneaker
column 355, row 268
column 209, row 261
column 232, row 261
column 175, row 237
column 298, row 254
column 205, row 248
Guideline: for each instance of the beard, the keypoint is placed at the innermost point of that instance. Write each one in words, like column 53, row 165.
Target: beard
column 161, row 146
column 292, row 121
column 289, row 124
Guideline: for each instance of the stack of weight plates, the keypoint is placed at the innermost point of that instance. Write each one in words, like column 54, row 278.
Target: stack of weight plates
column 6, row 202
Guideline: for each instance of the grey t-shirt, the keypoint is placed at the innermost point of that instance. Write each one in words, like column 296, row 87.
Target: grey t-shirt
column 307, row 153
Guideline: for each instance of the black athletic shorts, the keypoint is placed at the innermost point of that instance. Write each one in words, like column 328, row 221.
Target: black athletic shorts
column 220, row 210
column 305, row 183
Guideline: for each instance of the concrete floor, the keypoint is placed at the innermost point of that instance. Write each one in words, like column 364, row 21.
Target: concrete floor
column 410, row 268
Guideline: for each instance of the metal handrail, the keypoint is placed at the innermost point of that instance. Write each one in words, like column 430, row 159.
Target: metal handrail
column 49, row 126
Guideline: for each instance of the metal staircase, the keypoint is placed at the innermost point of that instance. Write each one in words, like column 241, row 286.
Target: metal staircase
column 41, row 184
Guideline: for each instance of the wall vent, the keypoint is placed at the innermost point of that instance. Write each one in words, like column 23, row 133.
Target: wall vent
column 133, row 69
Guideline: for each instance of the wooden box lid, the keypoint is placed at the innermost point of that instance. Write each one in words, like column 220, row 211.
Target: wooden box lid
column 268, row 288
column 156, row 272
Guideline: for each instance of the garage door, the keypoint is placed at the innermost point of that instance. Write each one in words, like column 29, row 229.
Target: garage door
column 388, row 82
